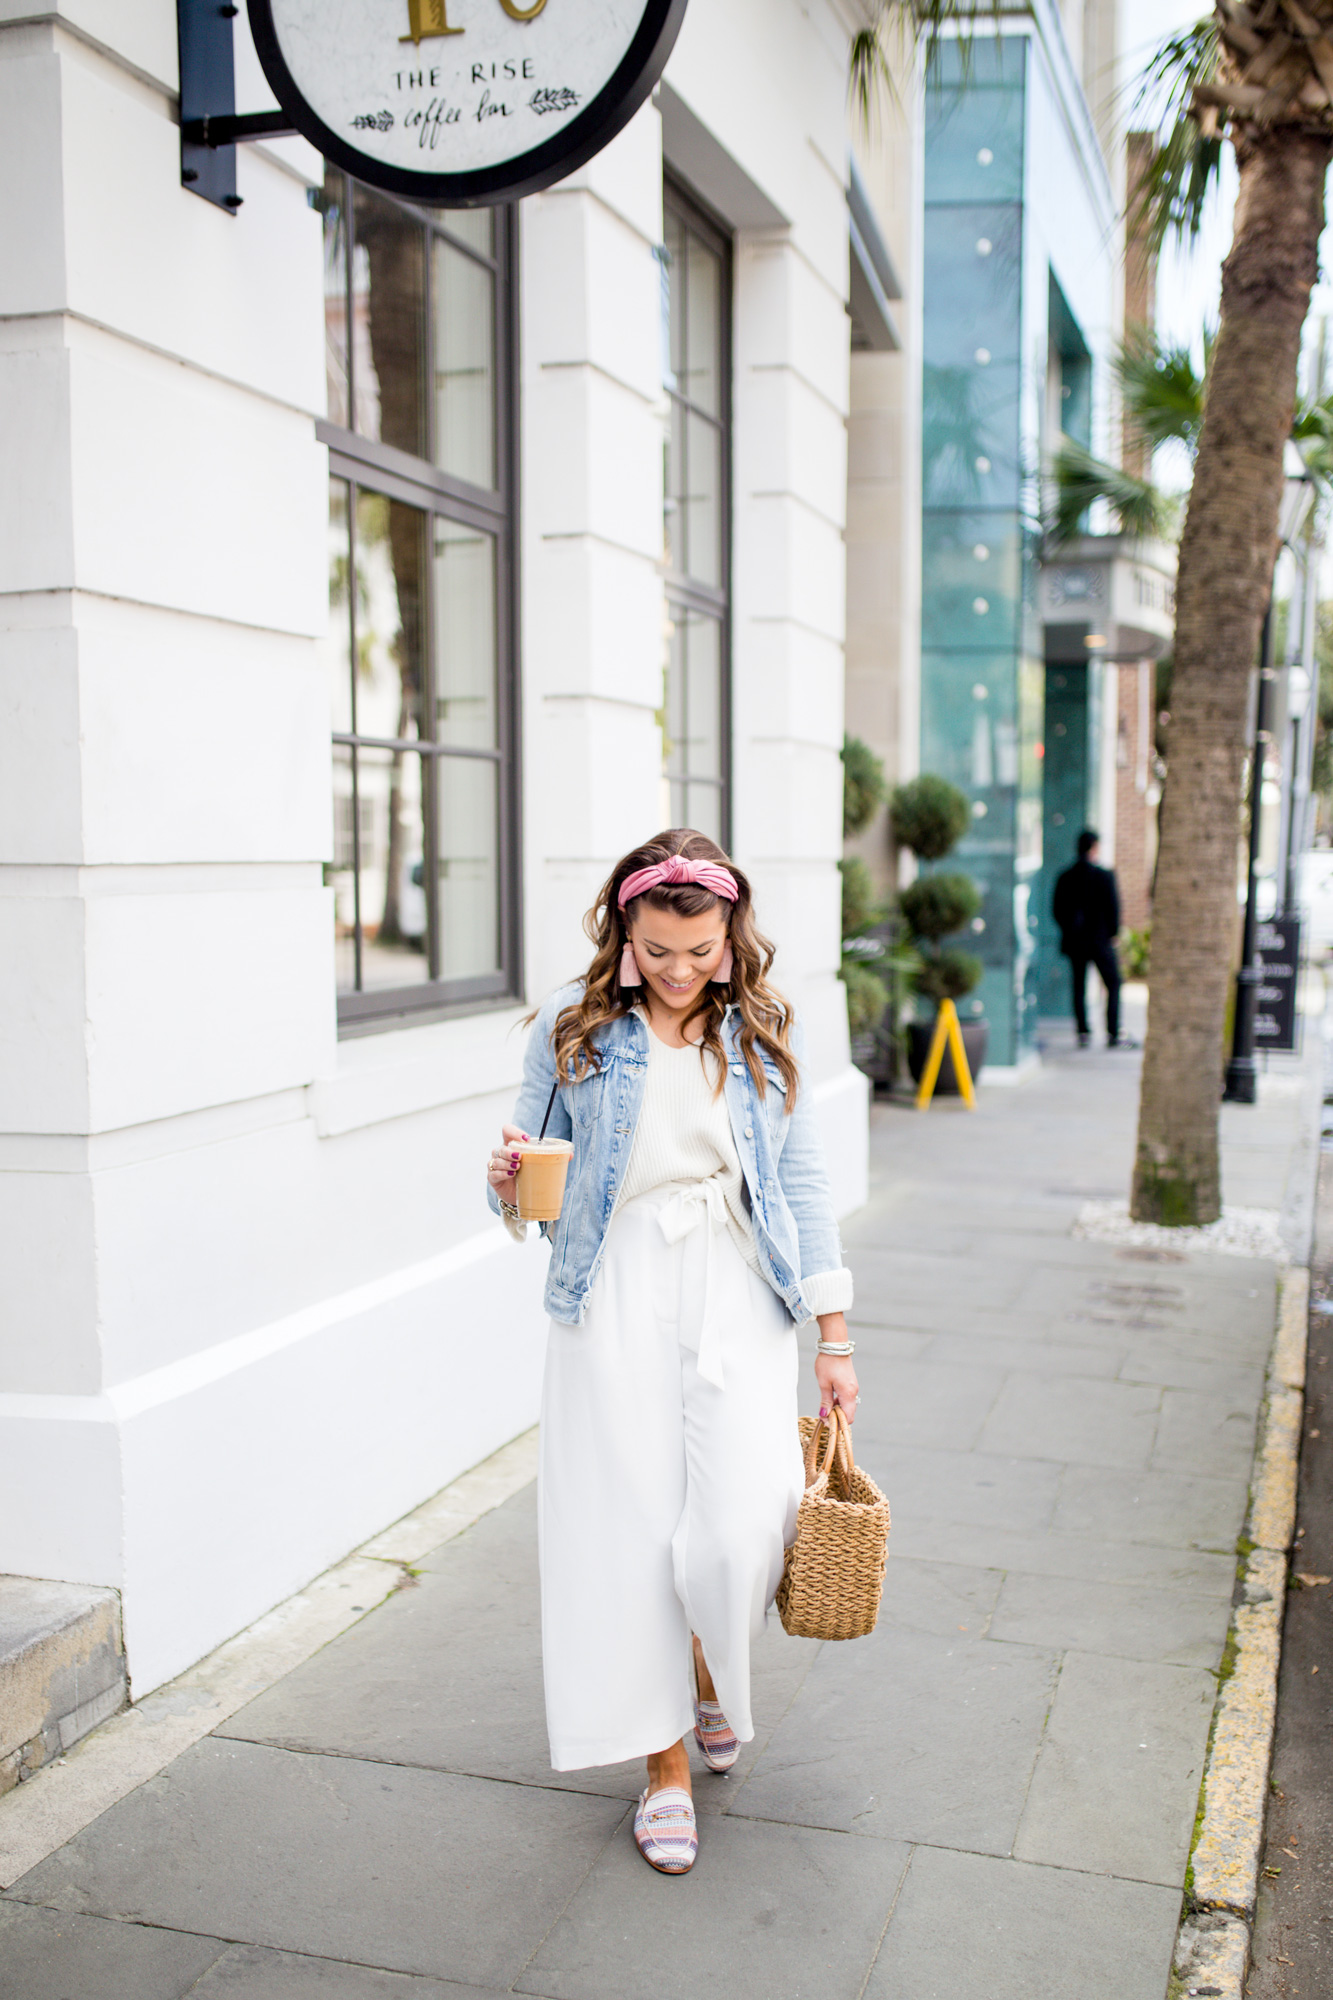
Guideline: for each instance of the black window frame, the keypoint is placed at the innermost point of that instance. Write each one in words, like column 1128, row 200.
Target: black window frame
column 682, row 590
column 367, row 465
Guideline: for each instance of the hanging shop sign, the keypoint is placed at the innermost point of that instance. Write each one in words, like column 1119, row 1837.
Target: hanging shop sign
column 1279, row 951
column 462, row 102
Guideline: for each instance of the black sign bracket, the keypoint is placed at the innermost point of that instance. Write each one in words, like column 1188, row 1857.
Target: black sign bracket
column 211, row 127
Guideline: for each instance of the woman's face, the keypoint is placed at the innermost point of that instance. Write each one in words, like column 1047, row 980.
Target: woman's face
column 677, row 955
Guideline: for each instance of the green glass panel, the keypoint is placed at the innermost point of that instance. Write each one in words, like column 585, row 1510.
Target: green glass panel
column 972, row 283
column 972, row 381
column 974, row 120
column 970, row 436
column 971, row 580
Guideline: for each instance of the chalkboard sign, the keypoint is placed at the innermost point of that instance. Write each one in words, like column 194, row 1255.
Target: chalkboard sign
column 1279, row 948
column 462, row 102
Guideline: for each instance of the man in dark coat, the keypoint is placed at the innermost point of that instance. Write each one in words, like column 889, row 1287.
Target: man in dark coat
column 1087, row 909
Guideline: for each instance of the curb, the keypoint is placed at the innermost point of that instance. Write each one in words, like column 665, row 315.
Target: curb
column 1221, row 1885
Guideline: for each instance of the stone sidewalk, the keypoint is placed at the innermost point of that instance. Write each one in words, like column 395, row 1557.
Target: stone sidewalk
column 990, row 1799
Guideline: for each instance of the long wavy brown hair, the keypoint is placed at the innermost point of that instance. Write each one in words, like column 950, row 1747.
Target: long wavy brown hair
column 766, row 1017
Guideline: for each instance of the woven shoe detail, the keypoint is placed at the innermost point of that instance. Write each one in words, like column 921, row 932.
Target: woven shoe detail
column 665, row 1831
column 717, row 1740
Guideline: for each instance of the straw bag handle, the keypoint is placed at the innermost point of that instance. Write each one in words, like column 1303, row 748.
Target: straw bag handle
column 839, row 1445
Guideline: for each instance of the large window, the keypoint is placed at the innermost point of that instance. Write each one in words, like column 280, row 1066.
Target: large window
column 696, row 712
column 418, row 314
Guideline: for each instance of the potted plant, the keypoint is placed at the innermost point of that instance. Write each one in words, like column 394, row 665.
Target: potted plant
column 930, row 816
column 863, row 792
column 875, row 965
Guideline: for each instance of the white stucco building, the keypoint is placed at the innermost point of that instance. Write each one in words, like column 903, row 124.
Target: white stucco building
column 297, row 817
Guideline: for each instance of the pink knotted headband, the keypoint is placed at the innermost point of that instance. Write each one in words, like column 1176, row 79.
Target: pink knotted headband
column 709, row 875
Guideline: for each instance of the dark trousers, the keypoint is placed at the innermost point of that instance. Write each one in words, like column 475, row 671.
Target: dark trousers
column 1103, row 957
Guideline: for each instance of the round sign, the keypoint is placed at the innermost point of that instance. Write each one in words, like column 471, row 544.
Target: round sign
column 460, row 102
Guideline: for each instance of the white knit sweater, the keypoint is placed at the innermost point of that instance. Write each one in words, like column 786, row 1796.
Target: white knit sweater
column 684, row 1134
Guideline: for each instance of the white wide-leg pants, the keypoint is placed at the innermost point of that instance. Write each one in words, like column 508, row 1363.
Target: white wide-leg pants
column 666, row 1501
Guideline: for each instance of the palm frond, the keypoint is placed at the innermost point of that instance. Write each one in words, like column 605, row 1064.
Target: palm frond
column 1175, row 70
column 1163, row 392
column 1187, row 157
column 1082, row 478
column 919, row 23
column 1313, row 422
column 1313, row 432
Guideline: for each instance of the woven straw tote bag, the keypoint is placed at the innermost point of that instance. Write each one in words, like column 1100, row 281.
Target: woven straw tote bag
column 834, row 1573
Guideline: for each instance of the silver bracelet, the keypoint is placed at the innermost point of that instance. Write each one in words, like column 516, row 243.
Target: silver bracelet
column 840, row 1348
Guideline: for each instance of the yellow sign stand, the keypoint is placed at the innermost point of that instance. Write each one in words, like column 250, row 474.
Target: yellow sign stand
column 947, row 1029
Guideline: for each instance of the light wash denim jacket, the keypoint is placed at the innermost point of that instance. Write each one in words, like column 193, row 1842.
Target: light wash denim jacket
column 782, row 1160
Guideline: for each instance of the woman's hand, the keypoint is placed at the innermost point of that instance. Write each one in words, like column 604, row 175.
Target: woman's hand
column 503, row 1165
column 835, row 1373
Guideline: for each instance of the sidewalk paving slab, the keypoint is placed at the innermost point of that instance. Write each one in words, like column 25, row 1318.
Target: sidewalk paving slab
column 789, row 1910
column 1170, row 1627
column 971, row 1927
column 48, row 1952
column 1123, row 1748
column 408, row 1870
column 1179, row 1510
column 910, row 1736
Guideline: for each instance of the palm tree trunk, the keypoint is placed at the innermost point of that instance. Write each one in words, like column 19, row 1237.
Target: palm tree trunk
column 1227, row 552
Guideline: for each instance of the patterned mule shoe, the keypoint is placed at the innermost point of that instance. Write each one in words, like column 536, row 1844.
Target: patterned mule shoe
column 718, row 1742
column 665, row 1832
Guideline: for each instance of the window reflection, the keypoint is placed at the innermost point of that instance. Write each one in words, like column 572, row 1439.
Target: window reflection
column 695, row 521
column 469, row 867
column 337, row 360
column 391, row 877
column 700, row 384
column 465, row 650
column 703, row 500
column 464, row 366
column 337, row 648
column 389, row 579
column 693, row 755
column 389, row 324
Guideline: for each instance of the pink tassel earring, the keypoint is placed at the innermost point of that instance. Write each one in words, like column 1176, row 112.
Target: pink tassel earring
column 630, row 974
column 722, row 977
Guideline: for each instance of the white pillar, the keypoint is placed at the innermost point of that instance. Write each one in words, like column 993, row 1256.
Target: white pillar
column 593, row 412
column 164, row 785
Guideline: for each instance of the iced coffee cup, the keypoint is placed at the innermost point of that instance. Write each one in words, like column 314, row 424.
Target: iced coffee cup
column 543, row 1164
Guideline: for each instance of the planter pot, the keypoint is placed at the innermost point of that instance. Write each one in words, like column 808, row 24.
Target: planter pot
column 976, row 1040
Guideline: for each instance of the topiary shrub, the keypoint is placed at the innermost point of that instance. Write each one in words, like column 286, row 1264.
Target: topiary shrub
column 864, row 786
column 948, row 975
column 859, row 907
column 929, row 815
column 935, row 906
column 867, row 995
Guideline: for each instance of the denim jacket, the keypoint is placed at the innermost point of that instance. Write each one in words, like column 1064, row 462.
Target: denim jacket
column 782, row 1160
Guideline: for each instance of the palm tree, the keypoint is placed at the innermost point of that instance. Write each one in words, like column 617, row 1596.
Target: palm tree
column 1261, row 76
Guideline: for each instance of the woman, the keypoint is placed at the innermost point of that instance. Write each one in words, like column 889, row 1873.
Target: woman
column 697, row 1233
